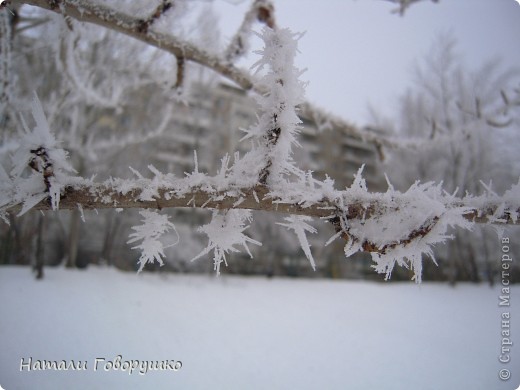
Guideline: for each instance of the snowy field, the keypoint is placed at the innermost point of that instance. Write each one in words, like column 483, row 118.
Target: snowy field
column 251, row 333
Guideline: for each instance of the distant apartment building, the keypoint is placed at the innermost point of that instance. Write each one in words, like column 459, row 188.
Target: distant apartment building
column 211, row 125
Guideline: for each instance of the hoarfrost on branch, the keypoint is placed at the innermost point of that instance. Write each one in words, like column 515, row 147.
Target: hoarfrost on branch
column 395, row 227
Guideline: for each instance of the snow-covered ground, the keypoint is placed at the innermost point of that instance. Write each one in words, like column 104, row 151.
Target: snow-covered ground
column 251, row 333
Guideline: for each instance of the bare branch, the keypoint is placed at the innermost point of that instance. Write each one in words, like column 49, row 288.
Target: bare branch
column 180, row 72
column 405, row 4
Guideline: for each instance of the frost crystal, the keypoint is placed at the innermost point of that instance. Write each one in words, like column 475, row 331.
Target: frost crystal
column 49, row 166
column 300, row 226
column 277, row 128
column 405, row 228
column 153, row 228
column 224, row 232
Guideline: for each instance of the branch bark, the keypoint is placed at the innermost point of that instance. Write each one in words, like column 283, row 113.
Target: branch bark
column 103, row 196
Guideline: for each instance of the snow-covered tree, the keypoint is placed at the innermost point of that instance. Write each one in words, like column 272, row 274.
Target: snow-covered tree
column 395, row 227
column 461, row 117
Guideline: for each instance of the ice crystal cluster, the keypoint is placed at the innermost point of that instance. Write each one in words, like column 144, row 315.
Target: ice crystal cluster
column 40, row 168
column 149, row 233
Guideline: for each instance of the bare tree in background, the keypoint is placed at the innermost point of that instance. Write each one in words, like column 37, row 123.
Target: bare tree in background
column 462, row 116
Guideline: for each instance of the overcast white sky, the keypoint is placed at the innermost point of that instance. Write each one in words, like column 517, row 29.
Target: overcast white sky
column 357, row 52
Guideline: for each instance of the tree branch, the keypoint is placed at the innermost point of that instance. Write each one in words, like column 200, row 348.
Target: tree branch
column 405, row 4
column 260, row 198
